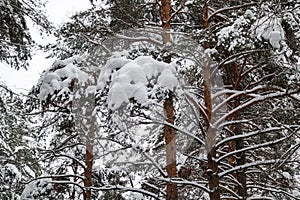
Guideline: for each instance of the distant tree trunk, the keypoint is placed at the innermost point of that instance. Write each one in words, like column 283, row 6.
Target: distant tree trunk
column 232, row 77
column 169, row 132
column 212, row 165
column 241, row 160
column 166, row 15
column 75, row 171
column 170, row 141
column 89, row 130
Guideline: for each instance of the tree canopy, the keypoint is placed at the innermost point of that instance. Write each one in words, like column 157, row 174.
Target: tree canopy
column 16, row 43
column 158, row 100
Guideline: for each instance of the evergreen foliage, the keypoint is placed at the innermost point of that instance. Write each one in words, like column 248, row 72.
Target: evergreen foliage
column 234, row 83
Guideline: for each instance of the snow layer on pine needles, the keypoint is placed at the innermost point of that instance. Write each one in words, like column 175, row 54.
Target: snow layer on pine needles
column 35, row 188
column 270, row 29
column 60, row 76
column 235, row 34
column 131, row 79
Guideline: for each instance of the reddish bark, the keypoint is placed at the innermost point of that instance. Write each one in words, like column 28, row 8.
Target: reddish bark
column 212, row 175
column 212, row 166
column 89, row 166
column 205, row 15
column 169, row 132
column 170, row 141
column 166, row 16
column 233, row 79
column 87, row 124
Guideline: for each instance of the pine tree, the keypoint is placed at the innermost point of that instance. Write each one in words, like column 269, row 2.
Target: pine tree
column 16, row 43
column 18, row 154
column 229, row 131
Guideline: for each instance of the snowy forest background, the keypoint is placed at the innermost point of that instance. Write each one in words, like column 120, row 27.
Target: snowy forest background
column 148, row 99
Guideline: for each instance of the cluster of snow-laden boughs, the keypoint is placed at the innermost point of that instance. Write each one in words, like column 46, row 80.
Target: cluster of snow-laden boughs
column 264, row 28
column 250, row 114
column 236, row 35
column 60, row 89
column 58, row 79
column 36, row 188
column 138, row 79
column 18, row 154
column 16, row 41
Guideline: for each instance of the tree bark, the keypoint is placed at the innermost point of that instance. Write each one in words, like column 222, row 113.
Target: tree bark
column 170, row 141
column 212, row 175
column 212, row 166
column 232, row 78
column 166, row 16
column 205, row 15
column 89, row 161
column 169, row 132
column 85, row 122
column 89, row 130
column 75, row 171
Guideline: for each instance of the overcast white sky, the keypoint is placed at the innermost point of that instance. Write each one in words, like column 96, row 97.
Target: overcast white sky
column 58, row 12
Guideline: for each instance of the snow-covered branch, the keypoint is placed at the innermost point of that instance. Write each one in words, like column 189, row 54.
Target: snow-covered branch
column 247, row 135
column 272, row 189
column 64, row 155
column 234, row 57
column 179, row 130
column 249, row 103
column 53, row 177
column 139, row 39
column 161, row 171
column 231, row 8
column 198, row 106
column 122, row 188
column 95, row 42
column 247, row 165
column 179, row 181
column 252, row 148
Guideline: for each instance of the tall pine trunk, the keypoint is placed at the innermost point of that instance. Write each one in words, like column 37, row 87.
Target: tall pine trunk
column 85, row 122
column 89, row 157
column 169, row 132
column 212, row 165
column 89, row 130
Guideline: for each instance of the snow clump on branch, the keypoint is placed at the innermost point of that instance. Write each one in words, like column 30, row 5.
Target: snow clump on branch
column 136, row 79
column 60, row 76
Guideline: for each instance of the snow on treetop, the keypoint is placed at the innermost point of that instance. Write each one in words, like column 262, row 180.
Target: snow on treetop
column 133, row 78
column 60, row 75
column 111, row 65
